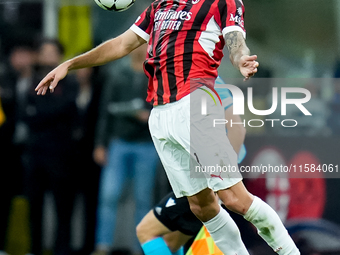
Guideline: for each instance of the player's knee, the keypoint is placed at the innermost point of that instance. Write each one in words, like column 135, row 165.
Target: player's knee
column 204, row 213
column 142, row 233
column 235, row 204
column 196, row 209
column 204, row 205
column 232, row 204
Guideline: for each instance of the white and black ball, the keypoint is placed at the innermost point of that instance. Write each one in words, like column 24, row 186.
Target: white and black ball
column 115, row 5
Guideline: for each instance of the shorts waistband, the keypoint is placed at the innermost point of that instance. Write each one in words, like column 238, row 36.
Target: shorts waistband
column 183, row 100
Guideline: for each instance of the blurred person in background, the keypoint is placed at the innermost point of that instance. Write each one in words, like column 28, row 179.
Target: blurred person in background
column 87, row 171
column 47, row 156
column 124, row 147
column 333, row 121
column 14, row 85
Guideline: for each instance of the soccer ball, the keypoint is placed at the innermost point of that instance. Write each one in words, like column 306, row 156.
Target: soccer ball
column 115, row 5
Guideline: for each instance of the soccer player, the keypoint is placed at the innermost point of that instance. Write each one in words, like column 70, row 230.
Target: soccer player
column 185, row 41
column 170, row 224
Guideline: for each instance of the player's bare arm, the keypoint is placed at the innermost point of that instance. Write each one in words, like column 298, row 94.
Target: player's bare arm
column 108, row 51
column 239, row 54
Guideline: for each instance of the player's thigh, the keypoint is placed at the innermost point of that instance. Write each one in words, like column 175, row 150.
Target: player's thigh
column 236, row 198
column 175, row 240
column 150, row 227
column 170, row 131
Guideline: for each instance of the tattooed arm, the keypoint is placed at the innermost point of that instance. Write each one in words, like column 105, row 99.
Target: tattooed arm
column 236, row 46
column 239, row 54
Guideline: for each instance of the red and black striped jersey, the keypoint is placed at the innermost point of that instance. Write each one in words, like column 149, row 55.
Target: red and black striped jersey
column 185, row 41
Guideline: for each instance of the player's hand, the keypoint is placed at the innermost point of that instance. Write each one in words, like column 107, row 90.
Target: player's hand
column 99, row 155
column 52, row 78
column 248, row 66
column 143, row 115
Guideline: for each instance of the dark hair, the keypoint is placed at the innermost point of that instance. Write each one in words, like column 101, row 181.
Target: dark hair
column 53, row 41
column 21, row 47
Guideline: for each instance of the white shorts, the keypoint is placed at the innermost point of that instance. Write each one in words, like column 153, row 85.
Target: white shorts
column 188, row 146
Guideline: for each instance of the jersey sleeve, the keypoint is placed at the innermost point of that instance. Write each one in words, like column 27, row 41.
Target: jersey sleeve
column 144, row 23
column 231, row 15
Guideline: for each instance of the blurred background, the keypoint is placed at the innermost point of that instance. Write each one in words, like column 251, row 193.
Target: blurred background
column 57, row 151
